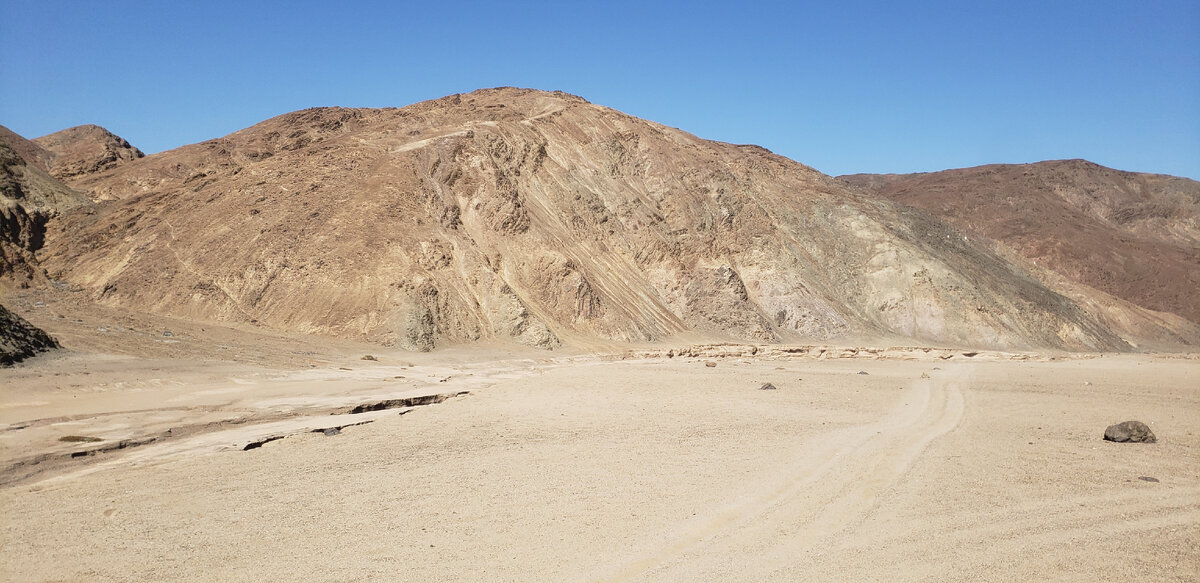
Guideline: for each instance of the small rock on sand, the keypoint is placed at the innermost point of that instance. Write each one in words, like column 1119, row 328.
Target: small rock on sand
column 710, row 364
column 1131, row 432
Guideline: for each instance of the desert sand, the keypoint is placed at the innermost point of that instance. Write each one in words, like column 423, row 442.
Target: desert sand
column 908, row 464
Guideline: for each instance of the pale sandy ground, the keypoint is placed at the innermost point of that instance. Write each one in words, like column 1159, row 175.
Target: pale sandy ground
column 591, row 468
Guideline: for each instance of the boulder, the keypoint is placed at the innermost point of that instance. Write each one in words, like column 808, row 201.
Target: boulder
column 1130, row 431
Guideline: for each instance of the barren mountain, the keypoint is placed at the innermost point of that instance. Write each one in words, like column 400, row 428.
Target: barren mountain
column 29, row 197
column 83, row 150
column 541, row 217
column 1134, row 236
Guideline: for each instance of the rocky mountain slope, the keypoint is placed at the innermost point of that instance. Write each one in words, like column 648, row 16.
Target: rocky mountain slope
column 29, row 198
column 75, row 153
column 1133, row 236
column 542, row 217
column 26, row 150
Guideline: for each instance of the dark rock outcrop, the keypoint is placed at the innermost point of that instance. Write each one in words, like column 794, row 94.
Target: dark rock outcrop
column 1129, row 432
column 19, row 339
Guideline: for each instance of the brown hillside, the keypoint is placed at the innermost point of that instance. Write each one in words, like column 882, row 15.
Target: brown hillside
column 537, row 216
column 27, row 150
column 83, row 150
column 1134, row 236
column 29, row 198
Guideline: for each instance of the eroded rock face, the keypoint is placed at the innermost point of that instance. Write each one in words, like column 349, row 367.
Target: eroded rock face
column 19, row 339
column 29, row 199
column 1131, row 432
column 541, row 217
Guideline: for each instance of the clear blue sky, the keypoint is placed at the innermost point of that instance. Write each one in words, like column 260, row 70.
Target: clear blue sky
column 841, row 86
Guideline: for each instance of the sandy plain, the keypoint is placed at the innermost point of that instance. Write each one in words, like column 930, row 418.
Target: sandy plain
column 899, row 465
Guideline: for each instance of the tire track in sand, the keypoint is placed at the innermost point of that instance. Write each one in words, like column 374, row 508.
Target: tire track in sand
column 835, row 481
column 1042, row 526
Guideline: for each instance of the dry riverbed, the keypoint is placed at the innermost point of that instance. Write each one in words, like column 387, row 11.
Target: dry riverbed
column 500, row 465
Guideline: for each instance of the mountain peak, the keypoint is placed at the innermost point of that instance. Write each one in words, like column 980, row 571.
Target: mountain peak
column 86, row 149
